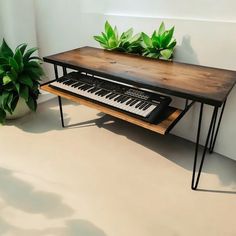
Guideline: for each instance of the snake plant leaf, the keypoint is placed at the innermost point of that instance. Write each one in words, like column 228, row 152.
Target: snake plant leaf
column 112, row 43
column 24, row 92
column 104, row 36
column 109, row 31
column 2, row 71
column 2, row 116
column 156, row 42
column 29, row 53
column 4, row 98
column 26, row 80
column 172, row 44
column 6, row 79
column 14, row 64
column 9, row 101
column 167, row 53
column 168, row 37
column 19, row 59
column 128, row 34
column 14, row 102
column 34, row 70
column 100, row 39
column 147, row 40
column 17, row 86
column 161, row 29
column 135, row 38
column 12, row 74
column 32, row 104
column 35, row 58
column 5, row 50
column 154, row 35
column 3, row 60
column 116, row 33
column 22, row 48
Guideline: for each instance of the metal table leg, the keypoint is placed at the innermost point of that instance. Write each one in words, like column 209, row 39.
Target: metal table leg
column 211, row 133
column 215, row 132
column 61, row 112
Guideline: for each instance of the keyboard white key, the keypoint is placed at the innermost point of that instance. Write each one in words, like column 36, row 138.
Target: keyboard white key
column 93, row 95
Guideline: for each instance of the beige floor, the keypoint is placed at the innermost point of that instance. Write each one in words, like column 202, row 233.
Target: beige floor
column 105, row 177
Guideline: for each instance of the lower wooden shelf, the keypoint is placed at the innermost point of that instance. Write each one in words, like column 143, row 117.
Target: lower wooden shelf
column 170, row 116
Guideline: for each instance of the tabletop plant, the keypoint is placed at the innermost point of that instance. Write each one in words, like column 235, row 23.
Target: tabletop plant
column 126, row 42
column 20, row 74
column 160, row 45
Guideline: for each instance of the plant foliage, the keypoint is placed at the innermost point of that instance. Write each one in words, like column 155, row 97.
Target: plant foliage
column 160, row 45
column 127, row 42
column 20, row 74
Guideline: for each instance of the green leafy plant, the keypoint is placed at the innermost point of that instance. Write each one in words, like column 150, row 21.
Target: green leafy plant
column 160, row 45
column 129, row 43
column 110, row 40
column 20, row 74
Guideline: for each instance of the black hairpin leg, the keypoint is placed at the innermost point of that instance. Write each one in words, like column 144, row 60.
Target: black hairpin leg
column 61, row 111
column 215, row 132
column 59, row 98
column 214, row 115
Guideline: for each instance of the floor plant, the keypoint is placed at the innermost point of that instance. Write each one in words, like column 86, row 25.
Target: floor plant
column 20, row 74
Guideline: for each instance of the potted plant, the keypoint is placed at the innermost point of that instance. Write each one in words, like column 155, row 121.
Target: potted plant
column 160, row 45
column 20, row 74
column 126, row 42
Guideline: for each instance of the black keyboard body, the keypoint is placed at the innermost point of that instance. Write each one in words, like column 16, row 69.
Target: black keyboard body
column 141, row 104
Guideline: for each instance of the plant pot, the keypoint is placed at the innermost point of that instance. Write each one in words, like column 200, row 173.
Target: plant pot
column 21, row 110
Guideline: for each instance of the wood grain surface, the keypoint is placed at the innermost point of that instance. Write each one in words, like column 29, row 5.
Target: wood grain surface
column 204, row 84
column 161, row 128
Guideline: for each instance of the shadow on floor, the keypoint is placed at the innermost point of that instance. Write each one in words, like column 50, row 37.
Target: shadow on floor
column 49, row 114
column 74, row 227
column 21, row 195
column 171, row 147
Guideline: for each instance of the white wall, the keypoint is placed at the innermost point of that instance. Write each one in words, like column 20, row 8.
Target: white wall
column 205, row 31
column 190, row 9
column 18, row 22
column 1, row 30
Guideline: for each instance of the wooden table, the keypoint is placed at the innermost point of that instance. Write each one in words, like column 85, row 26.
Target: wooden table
column 201, row 84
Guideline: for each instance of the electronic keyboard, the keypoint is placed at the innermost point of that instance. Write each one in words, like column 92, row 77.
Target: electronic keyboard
column 136, row 102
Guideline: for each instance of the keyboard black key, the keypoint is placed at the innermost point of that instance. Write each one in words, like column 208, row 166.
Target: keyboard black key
column 147, row 106
column 125, row 99
column 121, row 99
column 132, row 103
column 139, row 104
column 113, row 95
column 85, row 87
column 117, row 98
column 105, row 93
column 88, row 87
column 143, row 105
column 93, row 90
column 131, row 100
column 108, row 95
column 70, row 82
column 76, row 85
column 97, row 92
